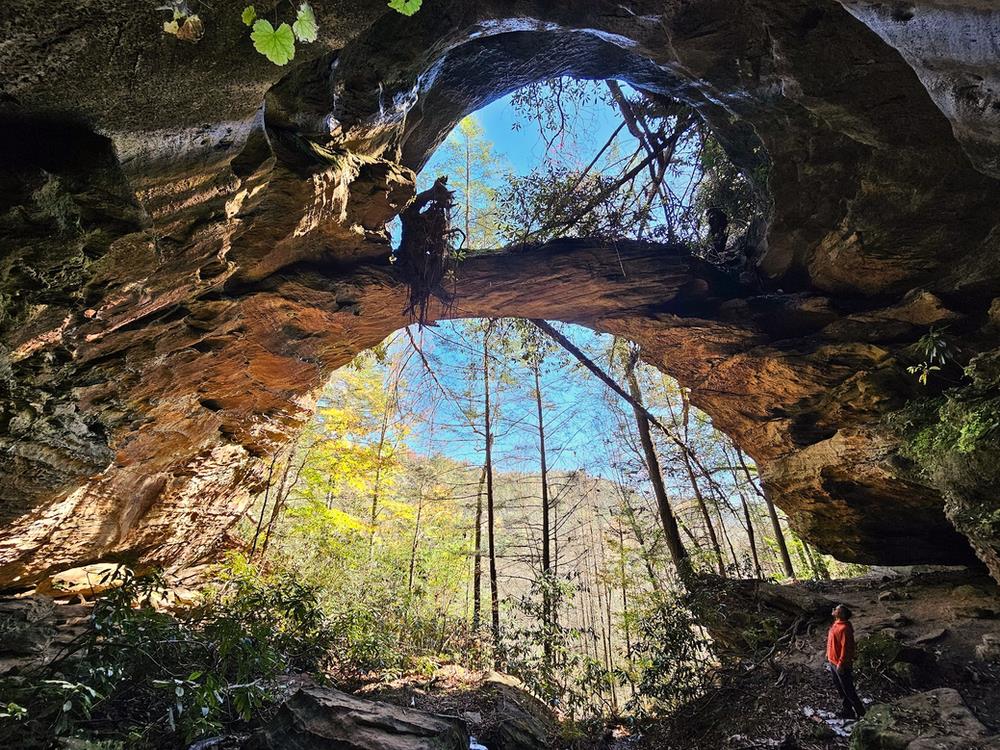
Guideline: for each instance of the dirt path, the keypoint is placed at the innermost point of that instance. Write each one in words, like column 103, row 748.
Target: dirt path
column 932, row 623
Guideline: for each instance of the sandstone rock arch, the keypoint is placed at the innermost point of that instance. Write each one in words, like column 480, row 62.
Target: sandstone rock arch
column 175, row 297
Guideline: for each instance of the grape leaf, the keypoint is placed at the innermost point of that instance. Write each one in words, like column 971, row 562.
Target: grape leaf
column 406, row 7
column 305, row 27
column 277, row 45
column 249, row 15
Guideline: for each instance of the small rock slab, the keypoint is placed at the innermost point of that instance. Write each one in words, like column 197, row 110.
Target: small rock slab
column 935, row 720
column 86, row 581
column 931, row 636
column 327, row 719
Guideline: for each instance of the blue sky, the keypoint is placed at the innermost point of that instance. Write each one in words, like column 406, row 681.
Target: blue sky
column 524, row 148
column 574, row 406
column 578, row 413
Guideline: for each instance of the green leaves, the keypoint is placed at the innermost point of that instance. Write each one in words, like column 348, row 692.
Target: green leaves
column 277, row 45
column 406, row 7
column 305, row 27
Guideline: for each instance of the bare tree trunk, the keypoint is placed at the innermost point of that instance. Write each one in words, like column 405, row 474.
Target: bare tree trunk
column 819, row 570
column 803, row 558
column 477, row 564
column 703, row 506
column 678, row 554
column 605, row 650
column 779, row 535
column 281, row 497
column 654, row 581
column 546, row 551
column 263, row 508
column 377, row 485
column 416, row 541
column 685, row 455
column 603, row 600
column 623, row 581
column 751, row 536
column 725, row 532
column 490, row 510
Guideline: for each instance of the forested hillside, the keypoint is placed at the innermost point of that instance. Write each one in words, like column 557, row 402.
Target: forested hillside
column 384, row 506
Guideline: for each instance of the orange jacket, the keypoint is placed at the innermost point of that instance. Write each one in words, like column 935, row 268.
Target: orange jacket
column 840, row 643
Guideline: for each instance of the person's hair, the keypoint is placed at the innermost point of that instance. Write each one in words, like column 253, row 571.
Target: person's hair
column 845, row 611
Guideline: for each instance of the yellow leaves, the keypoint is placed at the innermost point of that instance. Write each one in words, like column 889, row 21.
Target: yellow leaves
column 317, row 518
column 399, row 509
column 342, row 521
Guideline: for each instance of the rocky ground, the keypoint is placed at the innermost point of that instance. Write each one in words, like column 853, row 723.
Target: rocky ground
column 925, row 631
column 930, row 645
column 929, row 668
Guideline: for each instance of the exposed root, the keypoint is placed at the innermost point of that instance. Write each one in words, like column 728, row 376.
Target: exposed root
column 426, row 245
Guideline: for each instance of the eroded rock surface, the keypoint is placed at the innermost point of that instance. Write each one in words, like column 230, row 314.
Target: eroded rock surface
column 327, row 719
column 194, row 239
column 937, row 719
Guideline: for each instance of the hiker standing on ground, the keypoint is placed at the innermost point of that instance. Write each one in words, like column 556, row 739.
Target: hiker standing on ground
column 840, row 661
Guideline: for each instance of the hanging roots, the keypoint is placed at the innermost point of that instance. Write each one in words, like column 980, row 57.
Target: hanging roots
column 426, row 246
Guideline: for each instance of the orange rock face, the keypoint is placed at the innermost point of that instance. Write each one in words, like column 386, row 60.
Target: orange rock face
column 191, row 250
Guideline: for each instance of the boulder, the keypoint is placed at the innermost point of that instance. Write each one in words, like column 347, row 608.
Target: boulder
column 520, row 721
column 34, row 630
column 85, row 581
column 935, row 720
column 497, row 708
column 931, row 636
column 325, row 719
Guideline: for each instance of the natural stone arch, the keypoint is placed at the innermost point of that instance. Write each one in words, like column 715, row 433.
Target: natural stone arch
column 141, row 414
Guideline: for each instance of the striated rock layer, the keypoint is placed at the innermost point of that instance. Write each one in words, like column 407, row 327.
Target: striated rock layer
column 193, row 239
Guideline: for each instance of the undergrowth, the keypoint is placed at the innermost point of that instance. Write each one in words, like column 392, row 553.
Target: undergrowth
column 148, row 678
column 952, row 439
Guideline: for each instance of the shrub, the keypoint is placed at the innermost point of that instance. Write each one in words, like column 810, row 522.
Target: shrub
column 672, row 653
column 876, row 655
column 153, row 679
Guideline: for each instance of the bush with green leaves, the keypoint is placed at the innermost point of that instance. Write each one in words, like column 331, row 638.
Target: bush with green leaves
column 953, row 441
column 562, row 672
column 157, row 679
column 673, row 656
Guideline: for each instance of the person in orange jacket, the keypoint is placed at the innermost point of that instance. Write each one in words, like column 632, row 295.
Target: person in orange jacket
column 840, row 661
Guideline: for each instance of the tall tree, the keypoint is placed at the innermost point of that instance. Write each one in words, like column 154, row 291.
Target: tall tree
column 473, row 170
column 533, row 346
column 686, row 459
column 671, row 530
column 490, row 504
column 477, row 564
column 772, row 512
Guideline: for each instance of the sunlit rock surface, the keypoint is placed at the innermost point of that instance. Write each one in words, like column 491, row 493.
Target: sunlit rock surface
column 322, row 718
column 193, row 239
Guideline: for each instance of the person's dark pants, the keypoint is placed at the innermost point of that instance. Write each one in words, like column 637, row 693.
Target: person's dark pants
column 843, row 678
